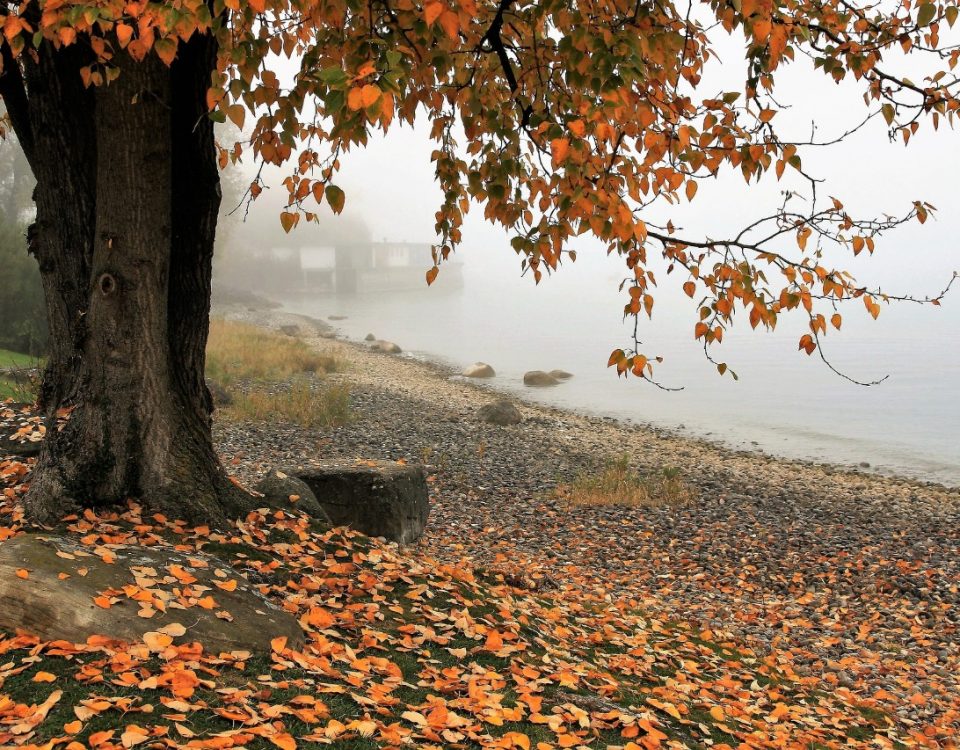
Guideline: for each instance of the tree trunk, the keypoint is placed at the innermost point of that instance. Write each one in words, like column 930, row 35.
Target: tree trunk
column 127, row 201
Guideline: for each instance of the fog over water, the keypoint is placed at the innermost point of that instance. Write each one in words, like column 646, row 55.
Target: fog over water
column 785, row 402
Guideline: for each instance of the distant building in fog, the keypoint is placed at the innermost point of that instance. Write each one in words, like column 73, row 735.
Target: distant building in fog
column 350, row 268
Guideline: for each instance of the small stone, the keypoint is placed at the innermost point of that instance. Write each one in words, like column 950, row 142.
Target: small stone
column 479, row 370
column 388, row 347
column 539, row 379
column 336, row 317
column 501, row 413
column 290, row 330
column 282, row 490
column 369, row 337
column 220, row 395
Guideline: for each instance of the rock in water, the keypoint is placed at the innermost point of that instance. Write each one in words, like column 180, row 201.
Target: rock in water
column 560, row 374
column 282, row 490
column 387, row 347
column 501, row 413
column 53, row 609
column 377, row 498
column 369, row 337
column 539, row 378
column 479, row 370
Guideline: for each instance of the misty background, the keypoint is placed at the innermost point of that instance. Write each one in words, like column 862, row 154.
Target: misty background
column 482, row 308
column 784, row 402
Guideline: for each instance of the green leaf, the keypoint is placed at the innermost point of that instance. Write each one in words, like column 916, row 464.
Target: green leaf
column 926, row 14
column 334, row 76
column 335, row 197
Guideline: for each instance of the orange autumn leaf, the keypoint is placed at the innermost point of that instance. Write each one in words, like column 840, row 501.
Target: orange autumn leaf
column 369, row 95
column 284, row 741
column 157, row 641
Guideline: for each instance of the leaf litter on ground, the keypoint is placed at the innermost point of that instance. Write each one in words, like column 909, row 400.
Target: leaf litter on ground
column 403, row 649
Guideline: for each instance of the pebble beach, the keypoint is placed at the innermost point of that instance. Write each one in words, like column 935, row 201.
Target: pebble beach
column 835, row 574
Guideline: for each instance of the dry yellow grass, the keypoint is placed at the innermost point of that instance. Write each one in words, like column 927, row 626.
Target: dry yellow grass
column 274, row 378
column 237, row 351
column 618, row 484
column 302, row 403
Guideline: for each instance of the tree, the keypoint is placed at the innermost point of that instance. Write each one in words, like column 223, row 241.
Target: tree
column 574, row 118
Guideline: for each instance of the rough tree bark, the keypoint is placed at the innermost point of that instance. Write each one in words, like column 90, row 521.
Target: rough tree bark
column 127, row 200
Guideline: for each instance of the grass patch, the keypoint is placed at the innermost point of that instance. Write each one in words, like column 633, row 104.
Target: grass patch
column 274, row 378
column 618, row 484
column 299, row 402
column 21, row 391
column 240, row 352
column 23, row 386
column 9, row 359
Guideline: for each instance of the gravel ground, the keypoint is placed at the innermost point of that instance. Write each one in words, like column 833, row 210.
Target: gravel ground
column 850, row 578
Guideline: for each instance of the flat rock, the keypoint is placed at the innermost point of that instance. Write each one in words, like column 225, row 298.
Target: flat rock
column 539, row 379
column 20, row 448
column 479, row 370
column 336, row 317
column 55, row 609
column 387, row 347
column 282, row 490
column 377, row 498
column 560, row 374
column 501, row 412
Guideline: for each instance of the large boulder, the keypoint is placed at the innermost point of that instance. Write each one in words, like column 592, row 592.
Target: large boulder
column 57, row 589
column 539, row 379
column 501, row 413
column 378, row 498
column 282, row 490
column 479, row 370
column 388, row 347
column 560, row 374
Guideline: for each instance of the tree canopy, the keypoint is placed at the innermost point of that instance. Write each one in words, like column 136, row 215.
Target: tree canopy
column 558, row 118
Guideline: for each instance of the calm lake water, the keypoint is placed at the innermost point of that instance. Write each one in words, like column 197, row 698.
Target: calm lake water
column 785, row 403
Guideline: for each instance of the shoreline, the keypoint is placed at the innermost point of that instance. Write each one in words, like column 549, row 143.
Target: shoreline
column 272, row 314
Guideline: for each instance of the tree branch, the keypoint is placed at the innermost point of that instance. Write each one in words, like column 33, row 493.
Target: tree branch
column 14, row 95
